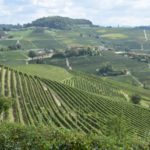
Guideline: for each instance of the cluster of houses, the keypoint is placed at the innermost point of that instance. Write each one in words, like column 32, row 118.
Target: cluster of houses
column 43, row 52
column 134, row 55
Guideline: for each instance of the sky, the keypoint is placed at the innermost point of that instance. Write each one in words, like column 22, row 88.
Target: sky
column 100, row 12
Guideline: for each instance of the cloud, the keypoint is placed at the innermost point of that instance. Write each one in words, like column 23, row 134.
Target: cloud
column 102, row 12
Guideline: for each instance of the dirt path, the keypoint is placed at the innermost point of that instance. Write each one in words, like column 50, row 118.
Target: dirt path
column 68, row 64
column 136, row 79
column 145, row 35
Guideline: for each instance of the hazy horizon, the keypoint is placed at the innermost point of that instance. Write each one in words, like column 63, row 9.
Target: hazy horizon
column 100, row 12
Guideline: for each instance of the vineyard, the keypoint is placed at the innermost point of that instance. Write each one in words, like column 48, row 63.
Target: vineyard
column 102, row 86
column 80, row 105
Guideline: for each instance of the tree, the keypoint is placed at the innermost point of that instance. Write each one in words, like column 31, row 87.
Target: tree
column 18, row 46
column 81, row 35
column 32, row 54
column 135, row 99
column 105, row 69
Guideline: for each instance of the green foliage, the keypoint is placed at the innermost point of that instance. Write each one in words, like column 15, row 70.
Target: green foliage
column 79, row 51
column 108, row 70
column 118, row 128
column 14, row 47
column 15, row 136
column 58, row 22
column 32, row 54
column 135, row 99
column 5, row 103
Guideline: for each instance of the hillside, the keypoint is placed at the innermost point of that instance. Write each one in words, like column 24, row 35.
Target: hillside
column 113, row 90
column 57, row 22
column 79, row 35
column 38, row 100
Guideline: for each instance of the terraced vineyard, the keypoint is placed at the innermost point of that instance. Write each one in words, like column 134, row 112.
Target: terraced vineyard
column 102, row 86
column 51, row 103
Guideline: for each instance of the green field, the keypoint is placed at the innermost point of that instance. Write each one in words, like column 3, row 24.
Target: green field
column 119, row 38
column 114, row 36
column 139, row 70
column 13, row 58
column 45, row 71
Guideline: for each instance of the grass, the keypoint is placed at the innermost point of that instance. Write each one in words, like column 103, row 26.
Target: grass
column 13, row 58
column 45, row 71
column 114, row 36
column 125, row 79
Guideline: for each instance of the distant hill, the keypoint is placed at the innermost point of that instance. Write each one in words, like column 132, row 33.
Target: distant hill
column 144, row 27
column 7, row 27
column 58, row 22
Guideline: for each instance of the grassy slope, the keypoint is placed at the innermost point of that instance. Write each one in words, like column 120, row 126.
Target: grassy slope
column 45, row 71
column 13, row 58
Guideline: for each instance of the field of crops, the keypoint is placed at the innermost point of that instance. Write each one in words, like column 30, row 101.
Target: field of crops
column 105, row 87
column 89, row 64
column 119, row 38
column 47, row 102
column 45, row 71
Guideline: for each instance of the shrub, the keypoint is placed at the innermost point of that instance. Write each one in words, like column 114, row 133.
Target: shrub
column 31, row 54
column 16, row 136
column 135, row 99
column 5, row 103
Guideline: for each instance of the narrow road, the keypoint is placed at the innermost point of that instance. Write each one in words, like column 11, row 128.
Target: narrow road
column 68, row 64
column 136, row 79
column 145, row 34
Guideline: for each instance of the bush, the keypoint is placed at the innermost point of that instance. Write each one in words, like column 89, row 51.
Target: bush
column 5, row 103
column 32, row 54
column 16, row 136
column 135, row 99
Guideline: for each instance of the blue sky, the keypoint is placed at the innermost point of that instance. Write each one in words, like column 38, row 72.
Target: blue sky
column 101, row 12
